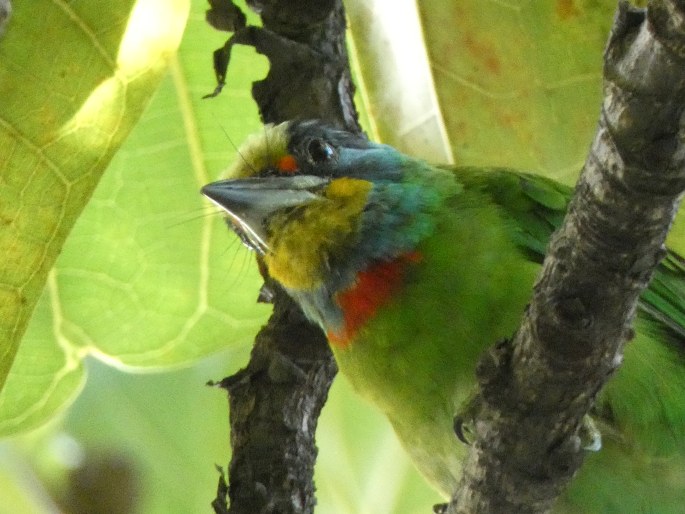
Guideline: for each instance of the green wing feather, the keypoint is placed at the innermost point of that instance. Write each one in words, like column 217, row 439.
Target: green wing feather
column 537, row 206
column 663, row 300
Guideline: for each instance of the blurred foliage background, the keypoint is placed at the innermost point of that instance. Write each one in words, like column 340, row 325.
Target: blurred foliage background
column 105, row 408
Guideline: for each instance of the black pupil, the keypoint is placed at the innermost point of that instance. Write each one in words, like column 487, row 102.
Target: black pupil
column 319, row 150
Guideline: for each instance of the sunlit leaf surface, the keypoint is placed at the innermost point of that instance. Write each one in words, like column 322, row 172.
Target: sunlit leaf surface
column 74, row 78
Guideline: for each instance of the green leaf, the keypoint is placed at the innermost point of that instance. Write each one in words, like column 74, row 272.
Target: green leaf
column 525, row 88
column 512, row 84
column 149, row 277
column 74, row 78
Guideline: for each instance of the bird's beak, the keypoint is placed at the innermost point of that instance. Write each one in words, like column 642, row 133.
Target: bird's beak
column 249, row 202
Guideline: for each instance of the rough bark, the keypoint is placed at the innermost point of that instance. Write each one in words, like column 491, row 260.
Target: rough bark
column 275, row 402
column 536, row 388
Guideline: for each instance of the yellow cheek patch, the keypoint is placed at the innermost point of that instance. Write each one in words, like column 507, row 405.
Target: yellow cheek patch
column 349, row 189
column 304, row 240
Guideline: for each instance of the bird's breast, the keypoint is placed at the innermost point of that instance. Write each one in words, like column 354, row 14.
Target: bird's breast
column 372, row 288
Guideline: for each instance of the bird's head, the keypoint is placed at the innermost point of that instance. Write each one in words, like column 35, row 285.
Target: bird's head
column 322, row 205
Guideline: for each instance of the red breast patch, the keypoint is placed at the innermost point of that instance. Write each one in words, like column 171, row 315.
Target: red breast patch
column 373, row 288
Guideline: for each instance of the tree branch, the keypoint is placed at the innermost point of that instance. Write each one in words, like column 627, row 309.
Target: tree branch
column 536, row 388
column 275, row 402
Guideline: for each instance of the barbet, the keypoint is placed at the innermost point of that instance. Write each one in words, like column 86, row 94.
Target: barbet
column 413, row 270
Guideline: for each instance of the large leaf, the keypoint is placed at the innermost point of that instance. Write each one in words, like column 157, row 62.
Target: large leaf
column 497, row 83
column 74, row 77
column 149, row 276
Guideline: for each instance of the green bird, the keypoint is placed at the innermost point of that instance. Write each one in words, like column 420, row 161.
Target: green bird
column 413, row 270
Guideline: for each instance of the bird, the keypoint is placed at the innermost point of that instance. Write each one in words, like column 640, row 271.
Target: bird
column 413, row 270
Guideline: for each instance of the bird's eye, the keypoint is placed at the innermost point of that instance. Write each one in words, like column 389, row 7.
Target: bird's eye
column 319, row 151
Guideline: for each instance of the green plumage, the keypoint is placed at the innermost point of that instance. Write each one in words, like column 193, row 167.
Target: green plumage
column 476, row 238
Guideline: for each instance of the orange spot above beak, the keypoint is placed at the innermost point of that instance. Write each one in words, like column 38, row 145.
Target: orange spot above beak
column 287, row 164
